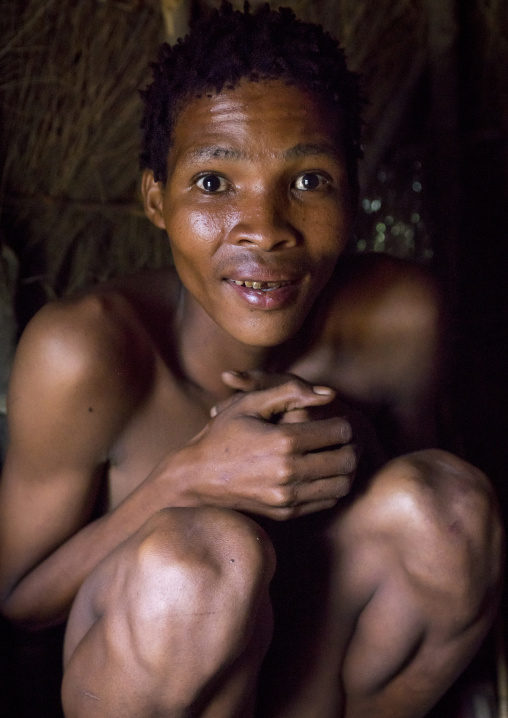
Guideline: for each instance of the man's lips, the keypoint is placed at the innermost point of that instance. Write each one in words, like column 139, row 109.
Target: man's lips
column 261, row 294
column 259, row 284
column 270, row 272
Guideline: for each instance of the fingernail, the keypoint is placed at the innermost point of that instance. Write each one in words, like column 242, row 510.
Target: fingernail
column 324, row 390
column 347, row 433
column 233, row 372
column 213, row 411
column 349, row 465
column 346, row 487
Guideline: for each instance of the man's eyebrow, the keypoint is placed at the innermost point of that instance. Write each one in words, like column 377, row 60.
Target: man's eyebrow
column 223, row 152
column 214, row 152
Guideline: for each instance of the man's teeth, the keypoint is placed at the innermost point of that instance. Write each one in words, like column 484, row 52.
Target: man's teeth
column 259, row 285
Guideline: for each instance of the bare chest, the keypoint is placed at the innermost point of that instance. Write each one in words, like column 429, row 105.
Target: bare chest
column 174, row 411
column 169, row 417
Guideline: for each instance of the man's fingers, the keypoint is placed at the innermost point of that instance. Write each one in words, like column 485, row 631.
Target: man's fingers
column 309, row 498
column 325, row 490
column 326, row 464
column 321, row 476
column 224, row 404
column 244, row 381
column 294, row 394
column 300, row 510
column 313, row 436
column 267, row 401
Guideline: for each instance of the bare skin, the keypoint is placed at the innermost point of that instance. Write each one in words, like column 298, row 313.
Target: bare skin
column 233, row 572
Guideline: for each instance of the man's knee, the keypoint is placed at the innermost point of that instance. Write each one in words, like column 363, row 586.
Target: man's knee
column 443, row 516
column 198, row 576
column 201, row 547
column 185, row 597
column 185, row 566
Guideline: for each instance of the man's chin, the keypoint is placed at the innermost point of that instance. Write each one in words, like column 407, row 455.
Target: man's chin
column 266, row 335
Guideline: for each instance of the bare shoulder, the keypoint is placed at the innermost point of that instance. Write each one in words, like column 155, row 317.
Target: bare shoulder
column 92, row 340
column 108, row 328
column 378, row 295
column 384, row 271
column 92, row 355
column 385, row 331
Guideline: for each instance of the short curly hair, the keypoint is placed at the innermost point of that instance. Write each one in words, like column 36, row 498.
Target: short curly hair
column 227, row 46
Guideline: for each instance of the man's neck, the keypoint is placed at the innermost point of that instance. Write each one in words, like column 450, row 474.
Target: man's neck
column 206, row 350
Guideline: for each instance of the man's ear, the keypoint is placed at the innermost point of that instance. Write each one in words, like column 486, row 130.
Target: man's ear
column 152, row 199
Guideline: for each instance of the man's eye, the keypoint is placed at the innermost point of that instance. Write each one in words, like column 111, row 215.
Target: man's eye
column 310, row 181
column 212, row 183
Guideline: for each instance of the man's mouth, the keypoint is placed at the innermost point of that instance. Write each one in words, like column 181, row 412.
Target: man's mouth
column 264, row 286
column 267, row 294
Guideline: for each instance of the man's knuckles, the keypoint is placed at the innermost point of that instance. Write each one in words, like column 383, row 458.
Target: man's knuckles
column 284, row 471
column 282, row 497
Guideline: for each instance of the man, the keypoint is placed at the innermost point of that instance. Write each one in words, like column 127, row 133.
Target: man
column 176, row 439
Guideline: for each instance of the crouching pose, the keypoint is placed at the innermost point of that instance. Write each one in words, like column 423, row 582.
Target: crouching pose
column 179, row 479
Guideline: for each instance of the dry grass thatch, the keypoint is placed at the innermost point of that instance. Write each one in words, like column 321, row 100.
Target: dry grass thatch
column 69, row 75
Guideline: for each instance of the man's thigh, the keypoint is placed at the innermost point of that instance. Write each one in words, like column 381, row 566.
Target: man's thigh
column 178, row 616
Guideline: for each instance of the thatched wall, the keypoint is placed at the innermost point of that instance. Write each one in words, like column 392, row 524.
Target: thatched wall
column 70, row 73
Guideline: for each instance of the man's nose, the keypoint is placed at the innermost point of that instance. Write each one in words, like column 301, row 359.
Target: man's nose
column 264, row 221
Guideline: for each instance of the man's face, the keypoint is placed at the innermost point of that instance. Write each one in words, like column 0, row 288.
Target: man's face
column 256, row 207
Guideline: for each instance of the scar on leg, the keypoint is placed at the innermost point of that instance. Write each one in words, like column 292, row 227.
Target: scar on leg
column 91, row 695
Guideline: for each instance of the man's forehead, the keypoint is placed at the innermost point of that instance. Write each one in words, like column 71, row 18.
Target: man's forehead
column 291, row 119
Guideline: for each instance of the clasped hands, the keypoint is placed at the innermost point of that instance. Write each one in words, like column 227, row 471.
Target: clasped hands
column 279, row 447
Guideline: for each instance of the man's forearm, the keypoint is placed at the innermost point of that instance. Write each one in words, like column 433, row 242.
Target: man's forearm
column 45, row 594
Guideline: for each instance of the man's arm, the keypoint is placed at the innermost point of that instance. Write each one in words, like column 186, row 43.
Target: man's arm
column 423, row 557
column 67, row 402
column 72, row 392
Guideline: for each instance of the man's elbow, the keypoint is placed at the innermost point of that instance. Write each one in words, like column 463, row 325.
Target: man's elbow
column 23, row 608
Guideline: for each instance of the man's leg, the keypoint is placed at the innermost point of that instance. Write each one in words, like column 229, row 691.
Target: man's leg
column 382, row 602
column 176, row 621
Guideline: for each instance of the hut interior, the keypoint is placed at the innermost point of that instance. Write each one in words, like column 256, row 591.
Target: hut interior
column 434, row 189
